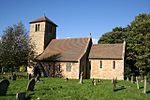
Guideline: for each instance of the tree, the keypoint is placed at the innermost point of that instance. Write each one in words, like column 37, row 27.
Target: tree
column 15, row 47
column 137, row 36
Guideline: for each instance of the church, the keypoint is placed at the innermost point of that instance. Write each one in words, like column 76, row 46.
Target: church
column 69, row 57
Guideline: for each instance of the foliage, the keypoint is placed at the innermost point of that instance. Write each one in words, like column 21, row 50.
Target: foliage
column 22, row 68
column 59, row 89
column 15, row 47
column 137, row 36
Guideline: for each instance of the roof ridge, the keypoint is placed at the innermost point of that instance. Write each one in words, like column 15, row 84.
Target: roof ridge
column 72, row 38
column 108, row 44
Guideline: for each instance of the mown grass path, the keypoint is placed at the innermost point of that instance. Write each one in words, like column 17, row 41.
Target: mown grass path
column 59, row 89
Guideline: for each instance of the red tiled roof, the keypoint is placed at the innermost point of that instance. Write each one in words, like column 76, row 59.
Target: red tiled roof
column 70, row 49
column 42, row 19
column 106, row 51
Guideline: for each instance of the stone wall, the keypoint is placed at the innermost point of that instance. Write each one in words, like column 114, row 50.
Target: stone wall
column 107, row 71
column 73, row 74
column 42, row 37
column 58, row 69
column 37, row 38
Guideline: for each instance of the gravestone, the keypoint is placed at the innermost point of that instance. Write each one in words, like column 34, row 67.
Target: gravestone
column 132, row 79
column 114, row 84
column 21, row 96
column 37, row 78
column 81, row 76
column 29, row 76
column 3, row 87
column 31, row 85
column 145, row 83
column 137, row 83
column 93, row 81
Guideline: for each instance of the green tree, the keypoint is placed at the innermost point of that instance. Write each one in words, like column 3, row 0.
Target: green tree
column 137, row 36
column 16, row 50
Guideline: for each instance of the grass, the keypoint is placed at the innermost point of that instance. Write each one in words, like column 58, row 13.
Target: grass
column 59, row 89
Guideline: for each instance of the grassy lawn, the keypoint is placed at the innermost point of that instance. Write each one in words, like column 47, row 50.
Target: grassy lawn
column 59, row 89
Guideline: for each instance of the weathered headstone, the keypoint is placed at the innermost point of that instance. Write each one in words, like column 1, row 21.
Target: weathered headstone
column 21, row 96
column 114, row 84
column 37, row 78
column 132, row 79
column 93, row 81
column 137, row 83
column 31, row 84
column 145, row 83
column 29, row 76
column 127, row 78
column 3, row 87
column 81, row 76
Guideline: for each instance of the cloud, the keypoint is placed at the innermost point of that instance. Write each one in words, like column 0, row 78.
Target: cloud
column 95, row 40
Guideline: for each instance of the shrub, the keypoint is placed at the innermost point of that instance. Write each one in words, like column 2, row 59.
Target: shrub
column 23, row 68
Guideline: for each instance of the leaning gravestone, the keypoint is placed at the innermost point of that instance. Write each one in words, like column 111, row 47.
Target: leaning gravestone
column 21, row 96
column 3, row 87
column 81, row 76
column 37, row 78
column 31, row 85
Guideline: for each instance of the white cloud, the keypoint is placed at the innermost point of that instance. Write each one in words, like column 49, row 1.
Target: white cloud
column 95, row 40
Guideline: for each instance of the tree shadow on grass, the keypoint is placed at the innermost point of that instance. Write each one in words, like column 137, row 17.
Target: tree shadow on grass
column 141, row 87
column 119, row 88
column 148, row 92
column 12, row 94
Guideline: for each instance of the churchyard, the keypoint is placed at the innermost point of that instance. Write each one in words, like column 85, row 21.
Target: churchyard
column 66, row 89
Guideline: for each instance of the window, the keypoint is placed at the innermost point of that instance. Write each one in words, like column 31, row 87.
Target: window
column 68, row 67
column 114, row 64
column 100, row 64
column 37, row 27
column 59, row 67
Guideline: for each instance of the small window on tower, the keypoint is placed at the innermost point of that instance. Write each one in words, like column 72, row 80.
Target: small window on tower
column 37, row 27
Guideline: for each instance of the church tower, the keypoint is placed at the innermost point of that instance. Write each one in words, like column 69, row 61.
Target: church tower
column 42, row 31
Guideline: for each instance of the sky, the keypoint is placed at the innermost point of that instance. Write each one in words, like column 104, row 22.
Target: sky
column 75, row 18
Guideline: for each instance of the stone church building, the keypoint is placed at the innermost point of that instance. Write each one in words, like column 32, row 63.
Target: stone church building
column 69, row 57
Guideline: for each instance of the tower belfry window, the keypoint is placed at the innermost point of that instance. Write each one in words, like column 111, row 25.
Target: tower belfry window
column 37, row 27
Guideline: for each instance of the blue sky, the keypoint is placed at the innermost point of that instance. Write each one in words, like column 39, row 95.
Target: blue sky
column 75, row 18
